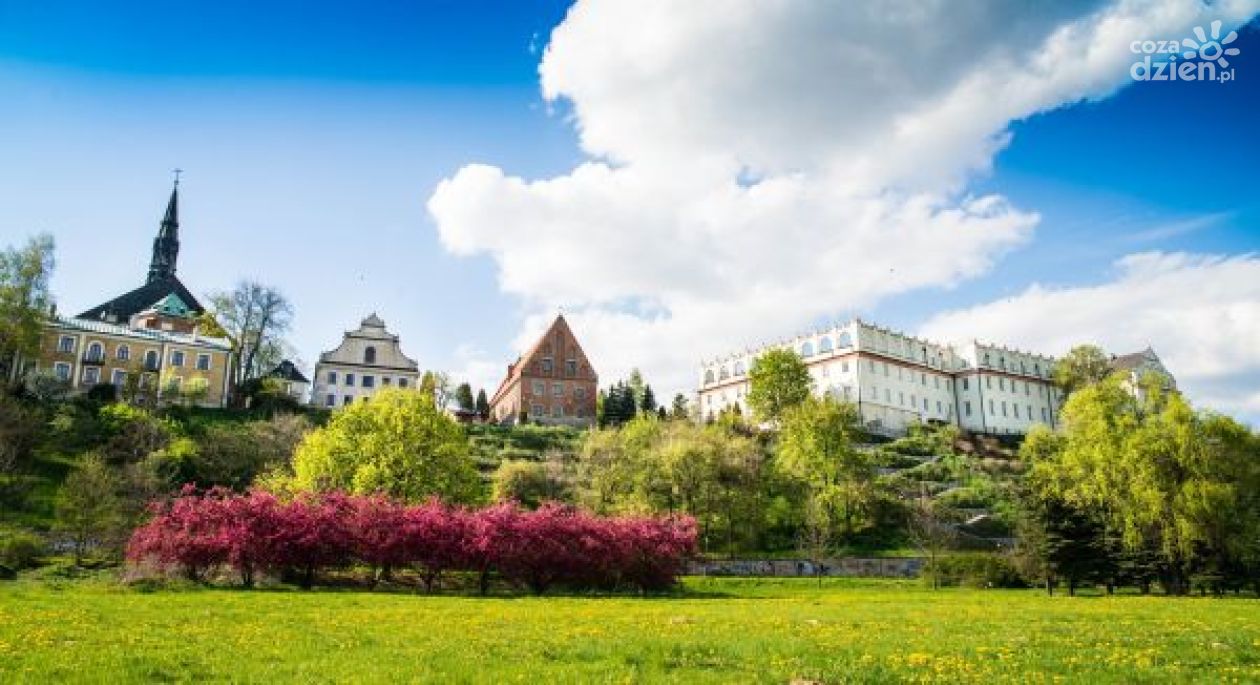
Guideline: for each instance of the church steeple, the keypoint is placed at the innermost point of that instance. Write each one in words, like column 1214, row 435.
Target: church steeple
column 166, row 244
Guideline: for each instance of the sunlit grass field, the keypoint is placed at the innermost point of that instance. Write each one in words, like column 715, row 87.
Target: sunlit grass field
column 714, row 631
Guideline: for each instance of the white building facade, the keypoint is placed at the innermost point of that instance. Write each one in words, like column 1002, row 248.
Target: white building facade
column 367, row 360
column 897, row 380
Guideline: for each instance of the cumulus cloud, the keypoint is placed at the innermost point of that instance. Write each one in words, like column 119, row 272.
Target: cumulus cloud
column 1201, row 314
column 755, row 166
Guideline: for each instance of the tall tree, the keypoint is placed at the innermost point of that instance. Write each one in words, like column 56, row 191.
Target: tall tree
column 779, row 380
column 24, row 299
column 636, row 384
column 1082, row 366
column 464, row 397
column 678, row 409
column 255, row 318
column 483, row 405
column 437, row 384
column 88, row 507
column 818, row 447
column 647, row 403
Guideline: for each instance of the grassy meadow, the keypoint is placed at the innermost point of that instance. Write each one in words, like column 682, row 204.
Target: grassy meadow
column 713, row 631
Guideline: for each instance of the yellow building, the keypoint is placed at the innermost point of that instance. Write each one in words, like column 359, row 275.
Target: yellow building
column 146, row 342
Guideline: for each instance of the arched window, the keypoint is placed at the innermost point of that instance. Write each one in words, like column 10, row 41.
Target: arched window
column 986, row 358
column 824, row 345
column 96, row 352
column 807, row 349
column 369, row 355
column 739, row 368
column 1037, row 369
column 845, row 340
column 708, row 376
column 123, row 353
column 723, row 374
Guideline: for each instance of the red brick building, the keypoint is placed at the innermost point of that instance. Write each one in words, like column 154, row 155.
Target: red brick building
column 552, row 383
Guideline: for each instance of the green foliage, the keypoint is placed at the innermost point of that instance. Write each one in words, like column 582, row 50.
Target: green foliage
column 24, row 298
column 20, row 428
column 778, row 381
column 618, row 406
column 1082, row 366
column 483, row 405
column 818, row 447
column 530, row 482
column 20, row 549
column 397, row 443
column 976, row 570
column 464, row 397
column 133, row 433
column 88, row 507
column 1162, row 478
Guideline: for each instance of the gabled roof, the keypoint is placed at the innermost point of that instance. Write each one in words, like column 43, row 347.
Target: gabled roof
column 288, row 371
column 517, row 368
column 128, row 304
column 1134, row 360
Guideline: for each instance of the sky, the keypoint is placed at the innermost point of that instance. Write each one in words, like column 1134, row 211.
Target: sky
column 682, row 180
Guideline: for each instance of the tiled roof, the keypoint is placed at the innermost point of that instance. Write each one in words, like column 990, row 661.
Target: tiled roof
column 146, row 296
column 140, row 333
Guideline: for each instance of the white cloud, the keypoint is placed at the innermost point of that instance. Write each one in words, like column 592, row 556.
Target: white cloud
column 1200, row 313
column 758, row 165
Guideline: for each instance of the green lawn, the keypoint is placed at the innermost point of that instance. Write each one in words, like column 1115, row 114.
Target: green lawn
column 717, row 631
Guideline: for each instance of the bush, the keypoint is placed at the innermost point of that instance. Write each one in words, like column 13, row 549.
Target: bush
column 529, row 482
column 199, row 533
column 974, row 570
column 20, row 549
column 103, row 392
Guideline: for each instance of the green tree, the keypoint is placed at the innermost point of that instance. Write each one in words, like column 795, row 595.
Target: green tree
column 678, row 409
column 818, row 447
column 398, row 443
column 24, row 299
column 648, row 403
column 464, row 397
column 529, row 482
column 1082, row 366
column 88, row 507
column 255, row 318
column 483, row 405
column 778, row 380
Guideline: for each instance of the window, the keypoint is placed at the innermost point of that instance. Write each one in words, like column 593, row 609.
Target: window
column 177, row 358
column 939, row 408
column 91, row 375
column 350, row 379
column 923, row 379
column 95, row 352
column 967, row 407
column 807, row 349
column 368, row 382
column 369, row 355
column 570, row 368
column 540, row 388
column 723, row 374
column 824, row 345
column 1015, row 408
column 402, row 382
column 871, row 362
column 332, row 377
column 845, row 340
column 887, row 396
column 965, row 384
column 62, row 371
column 1001, row 384
column 988, row 382
column 1043, row 413
column 385, row 380
column 347, row 399
column 557, row 411
column 925, row 404
column 1027, row 390
column 991, row 409
column 65, row 344
column 844, row 367
column 119, row 378
column 203, row 362
column 123, row 353
column 579, row 393
column 546, row 365
column 151, row 360
column 557, row 389
column 708, row 376
column 739, row 368
column 901, row 399
column 1003, row 408
column 175, row 383
column 330, row 401
column 536, row 410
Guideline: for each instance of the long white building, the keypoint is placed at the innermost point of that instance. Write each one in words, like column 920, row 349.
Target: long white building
column 897, row 379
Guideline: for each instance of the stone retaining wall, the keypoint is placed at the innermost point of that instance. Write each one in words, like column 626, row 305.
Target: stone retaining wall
column 892, row 567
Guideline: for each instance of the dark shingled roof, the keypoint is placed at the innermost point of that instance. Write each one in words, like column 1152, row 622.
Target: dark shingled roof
column 1130, row 361
column 126, row 305
column 288, row 371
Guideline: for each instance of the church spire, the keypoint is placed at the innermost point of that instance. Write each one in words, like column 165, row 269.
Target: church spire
column 166, row 244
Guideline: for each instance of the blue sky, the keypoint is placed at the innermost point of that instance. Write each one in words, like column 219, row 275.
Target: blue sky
column 313, row 135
